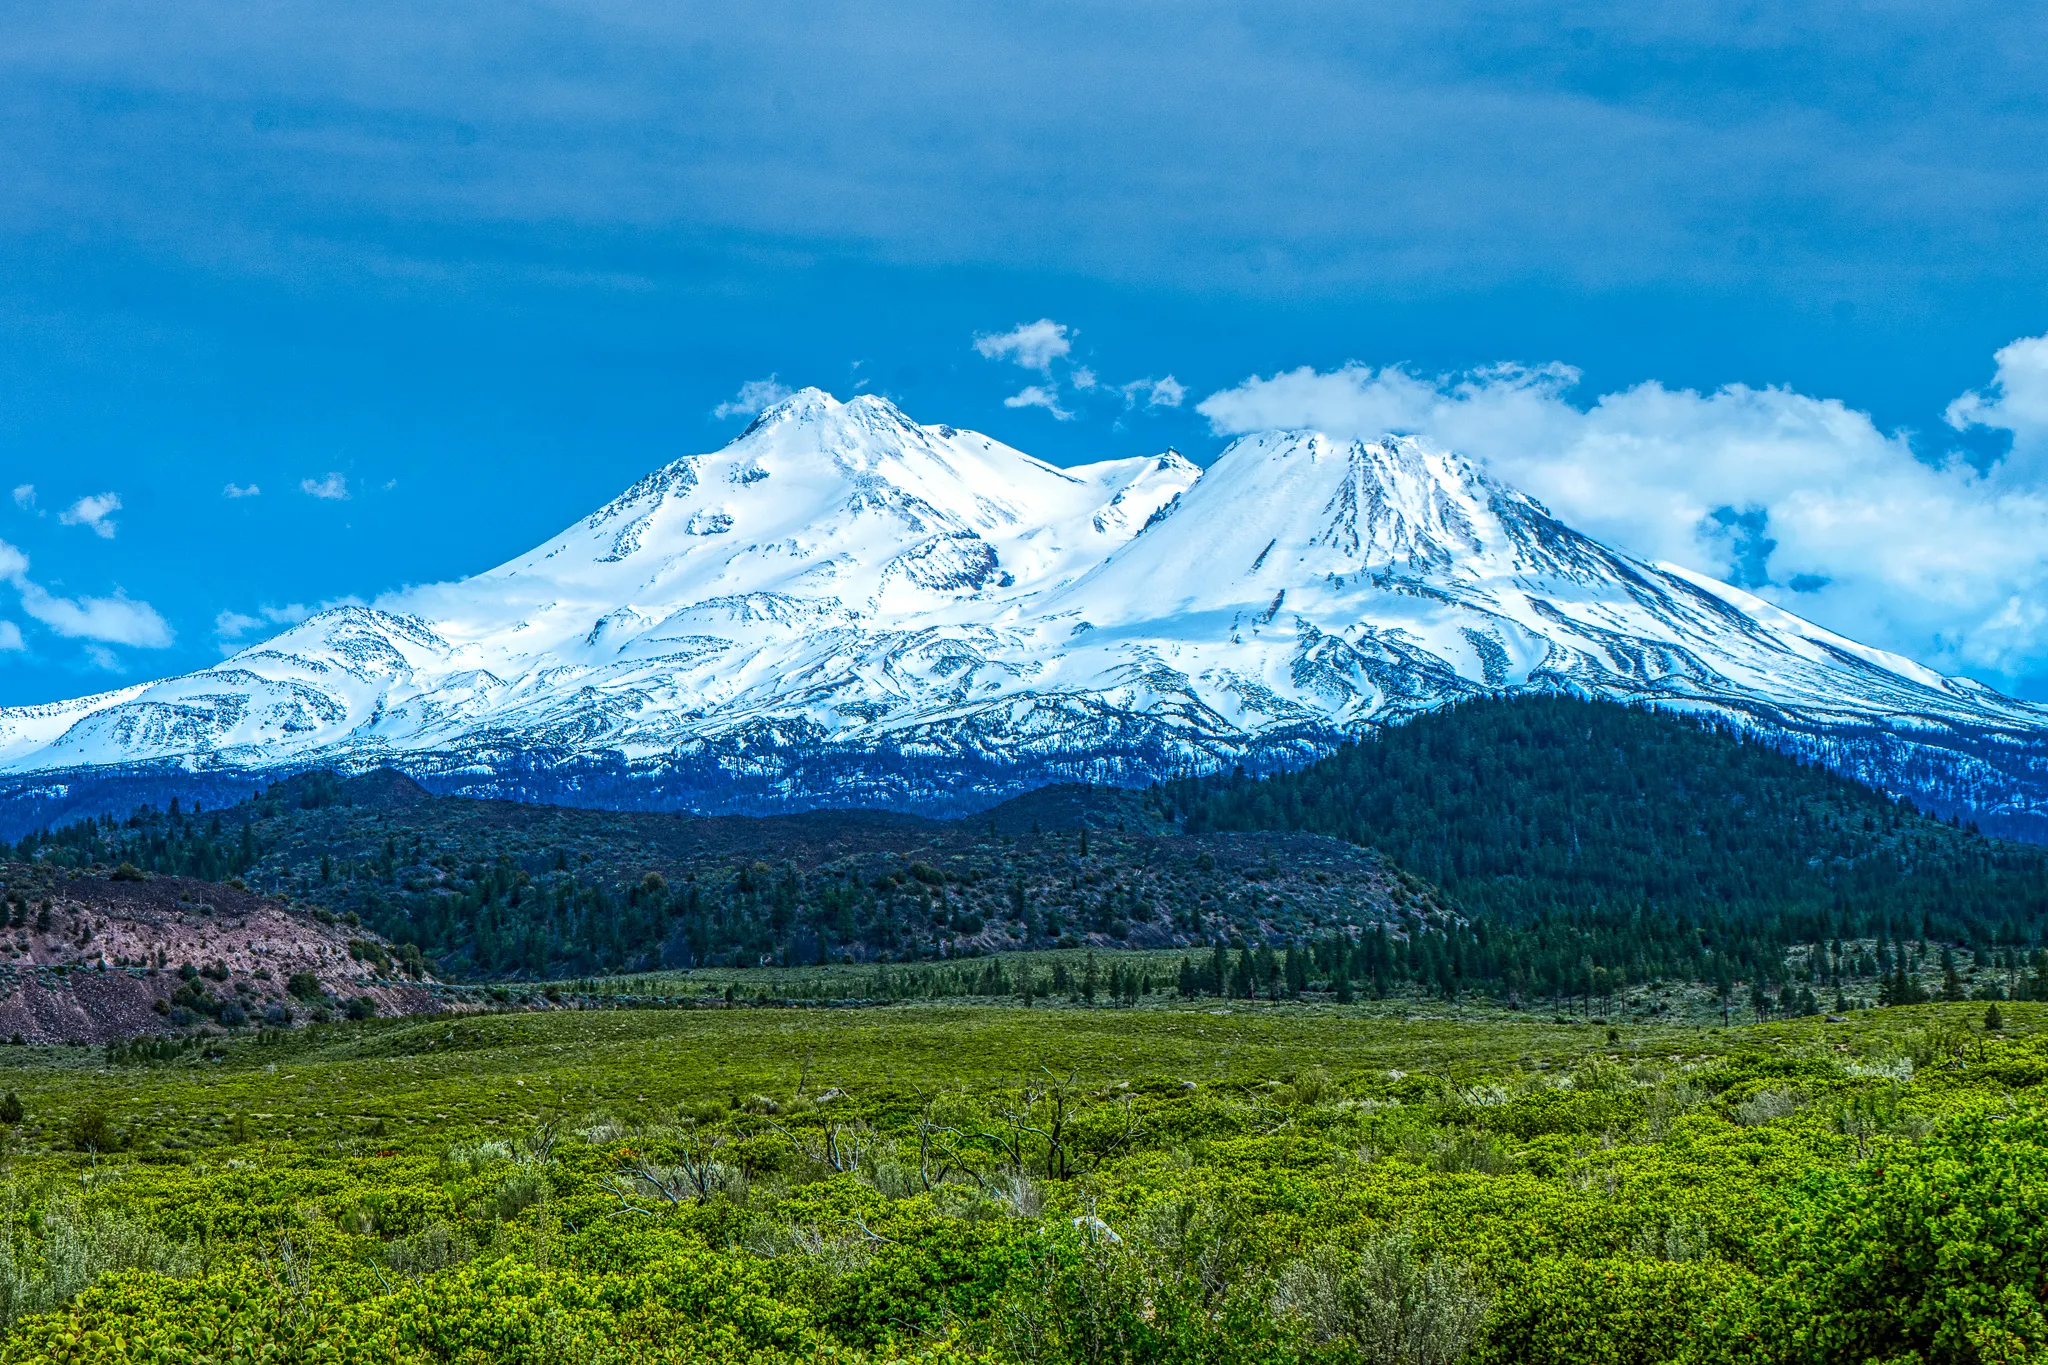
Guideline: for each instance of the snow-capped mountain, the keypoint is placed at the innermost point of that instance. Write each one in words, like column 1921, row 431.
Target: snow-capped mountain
column 844, row 607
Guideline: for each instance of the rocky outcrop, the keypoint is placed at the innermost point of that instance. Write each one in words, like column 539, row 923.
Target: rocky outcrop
column 87, row 957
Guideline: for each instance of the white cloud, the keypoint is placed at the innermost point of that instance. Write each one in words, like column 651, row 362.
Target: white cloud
column 25, row 497
column 233, row 625
column 1155, row 393
column 1043, row 344
column 333, row 488
column 2016, row 401
column 236, row 490
column 1032, row 345
column 1039, row 396
column 102, row 657
column 92, row 511
column 754, row 395
column 116, row 620
column 1802, row 499
column 10, row 636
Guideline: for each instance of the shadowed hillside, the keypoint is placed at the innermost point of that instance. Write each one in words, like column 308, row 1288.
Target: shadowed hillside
column 498, row 888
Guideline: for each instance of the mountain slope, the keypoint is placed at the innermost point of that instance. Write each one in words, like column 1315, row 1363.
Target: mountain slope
column 1561, row 844
column 1533, row 806
column 843, row 607
column 93, row 957
column 498, row 888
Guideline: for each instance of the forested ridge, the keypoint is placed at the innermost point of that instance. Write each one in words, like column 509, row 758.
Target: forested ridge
column 1534, row 849
column 1645, row 842
column 499, row 890
column 1533, row 805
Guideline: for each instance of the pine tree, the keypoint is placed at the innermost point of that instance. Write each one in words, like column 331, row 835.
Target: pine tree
column 1266, row 970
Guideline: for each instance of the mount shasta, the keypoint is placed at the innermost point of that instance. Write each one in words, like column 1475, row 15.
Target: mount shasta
column 842, row 607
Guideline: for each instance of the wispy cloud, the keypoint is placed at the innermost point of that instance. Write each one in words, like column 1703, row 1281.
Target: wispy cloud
column 754, row 395
column 1047, row 347
column 240, row 490
column 10, row 637
column 1154, row 393
column 233, row 625
column 93, row 511
column 1039, row 396
column 25, row 497
column 1033, row 345
column 109, row 621
column 116, row 620
column 333, row 488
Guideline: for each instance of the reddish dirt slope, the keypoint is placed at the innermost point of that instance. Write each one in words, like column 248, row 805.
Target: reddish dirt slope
column 85, row 958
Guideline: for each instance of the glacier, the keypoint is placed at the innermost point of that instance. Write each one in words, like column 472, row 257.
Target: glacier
column 845, row 608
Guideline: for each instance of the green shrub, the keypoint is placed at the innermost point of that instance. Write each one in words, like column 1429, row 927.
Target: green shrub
column 758, row 1188
column 1613, row 1312
column 1935, row 1252
column 92, row 1130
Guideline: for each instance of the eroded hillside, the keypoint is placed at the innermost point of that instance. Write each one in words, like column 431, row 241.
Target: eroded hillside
column 98, row 955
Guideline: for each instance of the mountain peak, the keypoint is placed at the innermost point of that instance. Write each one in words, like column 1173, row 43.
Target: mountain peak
column 842, row 605
column 804, row 403
column 864, row 412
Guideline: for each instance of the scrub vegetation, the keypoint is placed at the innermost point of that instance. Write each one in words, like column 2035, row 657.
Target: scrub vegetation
column 1252, row 1181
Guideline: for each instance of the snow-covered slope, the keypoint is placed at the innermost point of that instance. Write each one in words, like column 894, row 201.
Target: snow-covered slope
column 845, row 607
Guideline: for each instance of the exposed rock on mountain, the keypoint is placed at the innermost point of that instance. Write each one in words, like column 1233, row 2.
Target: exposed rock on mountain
column 92, row 956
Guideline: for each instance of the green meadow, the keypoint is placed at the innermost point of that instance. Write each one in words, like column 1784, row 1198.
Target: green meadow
column 935, row 1181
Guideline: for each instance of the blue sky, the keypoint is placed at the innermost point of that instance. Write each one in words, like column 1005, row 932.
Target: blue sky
column 436, row 279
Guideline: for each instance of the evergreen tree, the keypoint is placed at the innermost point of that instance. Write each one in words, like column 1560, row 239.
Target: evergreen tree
column 1297, row 971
